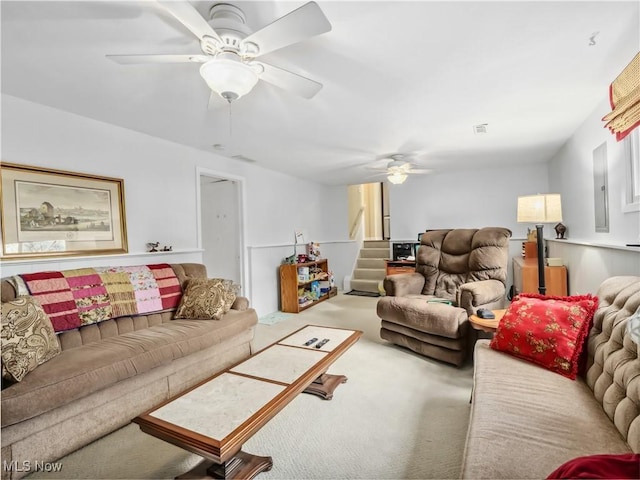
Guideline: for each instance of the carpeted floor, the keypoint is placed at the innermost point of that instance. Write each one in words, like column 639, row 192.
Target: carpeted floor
column 400, row 415
column 274, row 317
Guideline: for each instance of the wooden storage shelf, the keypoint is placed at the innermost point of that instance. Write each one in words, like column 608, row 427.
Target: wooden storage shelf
column 525, row 277
column 289, row 285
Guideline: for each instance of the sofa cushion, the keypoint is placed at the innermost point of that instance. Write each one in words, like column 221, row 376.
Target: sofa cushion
column 526, row 421
column 549, row 331
column 416, row 313
column 206, row 299
column 28, row 339
column 79, row 371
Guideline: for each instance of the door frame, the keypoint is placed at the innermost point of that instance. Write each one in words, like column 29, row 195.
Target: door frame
column 241, row 199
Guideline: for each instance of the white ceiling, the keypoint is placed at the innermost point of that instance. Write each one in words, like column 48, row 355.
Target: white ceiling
column 410, row 77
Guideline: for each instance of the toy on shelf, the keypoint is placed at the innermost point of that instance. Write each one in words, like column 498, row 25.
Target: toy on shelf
column 313, row 251
column 290, row 260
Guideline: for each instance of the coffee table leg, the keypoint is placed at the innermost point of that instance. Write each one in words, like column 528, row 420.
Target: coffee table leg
column 324, row 385
column 243, row 465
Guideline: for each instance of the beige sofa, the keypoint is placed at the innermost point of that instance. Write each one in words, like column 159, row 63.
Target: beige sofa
column 527, row 421
column 110, row 372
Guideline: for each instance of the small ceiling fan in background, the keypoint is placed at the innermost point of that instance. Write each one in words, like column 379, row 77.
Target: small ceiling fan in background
column 397, row 168
column 230, row 49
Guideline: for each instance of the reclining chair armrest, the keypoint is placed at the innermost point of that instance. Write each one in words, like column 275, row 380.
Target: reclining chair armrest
column 483, row 293
column 404, row 284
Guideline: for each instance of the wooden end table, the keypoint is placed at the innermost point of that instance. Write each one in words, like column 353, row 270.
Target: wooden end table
column 488, row 325
column 394, row 267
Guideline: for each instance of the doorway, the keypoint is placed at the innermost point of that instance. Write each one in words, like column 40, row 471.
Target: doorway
column 369, row 217
column 221, row 225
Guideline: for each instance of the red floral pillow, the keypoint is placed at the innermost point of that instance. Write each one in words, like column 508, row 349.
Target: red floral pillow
column 624, row 465
column 546, row 330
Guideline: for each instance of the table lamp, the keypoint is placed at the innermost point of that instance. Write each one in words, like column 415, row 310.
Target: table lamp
column 540, row 209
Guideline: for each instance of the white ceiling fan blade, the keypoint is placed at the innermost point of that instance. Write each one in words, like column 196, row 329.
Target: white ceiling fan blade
column 382, row 168
column 137, row 59
column 300, row 24
column 303, row 86
column 420, row 171
column 186, row 14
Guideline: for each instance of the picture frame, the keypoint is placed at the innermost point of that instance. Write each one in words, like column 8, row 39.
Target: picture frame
column 52, row 213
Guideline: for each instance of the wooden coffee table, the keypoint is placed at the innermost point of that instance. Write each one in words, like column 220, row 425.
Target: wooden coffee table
column 217, row 416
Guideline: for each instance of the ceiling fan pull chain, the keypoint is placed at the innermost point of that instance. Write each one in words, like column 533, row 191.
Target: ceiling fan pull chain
column 230, row 125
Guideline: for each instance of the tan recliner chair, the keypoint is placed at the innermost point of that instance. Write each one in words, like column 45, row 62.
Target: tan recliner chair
column 467, row 267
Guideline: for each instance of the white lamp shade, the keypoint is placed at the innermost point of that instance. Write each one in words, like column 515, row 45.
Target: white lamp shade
column 545, row 208
column 230, row 79
column 397, row 178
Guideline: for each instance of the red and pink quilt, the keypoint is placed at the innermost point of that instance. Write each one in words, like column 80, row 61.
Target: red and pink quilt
column 73, row 298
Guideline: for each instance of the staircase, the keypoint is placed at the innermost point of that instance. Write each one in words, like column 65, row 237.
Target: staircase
column 371, row 268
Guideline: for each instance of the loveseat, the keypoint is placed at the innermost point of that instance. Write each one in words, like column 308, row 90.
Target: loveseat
column 109, row 372
column 526, row 421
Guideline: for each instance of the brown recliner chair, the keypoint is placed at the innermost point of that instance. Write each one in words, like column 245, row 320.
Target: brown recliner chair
column 467, row 267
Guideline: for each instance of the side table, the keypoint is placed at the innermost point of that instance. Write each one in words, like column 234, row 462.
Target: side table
column 487, row 325
column 394, row 267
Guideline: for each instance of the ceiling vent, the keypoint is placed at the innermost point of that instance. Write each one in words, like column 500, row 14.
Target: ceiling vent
column 480, row 129
column 243, row 158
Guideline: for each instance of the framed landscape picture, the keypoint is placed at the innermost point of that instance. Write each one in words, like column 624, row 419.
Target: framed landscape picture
column 48, row 213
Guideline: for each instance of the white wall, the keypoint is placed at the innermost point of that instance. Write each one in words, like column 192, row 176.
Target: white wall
column 589, row 265
column 586, row 253
column 571, row 174
column 161, row 196
column 160, row 188
column 464, row 199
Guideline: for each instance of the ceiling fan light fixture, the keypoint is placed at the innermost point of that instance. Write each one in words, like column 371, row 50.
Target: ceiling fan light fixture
column 229, row 78
column 397, row 178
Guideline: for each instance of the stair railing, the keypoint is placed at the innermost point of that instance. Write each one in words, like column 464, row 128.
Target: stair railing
column 356, row 223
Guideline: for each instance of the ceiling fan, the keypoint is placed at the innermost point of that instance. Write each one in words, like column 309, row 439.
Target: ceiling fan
column 230, row 48
column 397, row 168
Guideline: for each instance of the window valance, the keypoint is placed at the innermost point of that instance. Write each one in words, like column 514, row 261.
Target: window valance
column 624, row 96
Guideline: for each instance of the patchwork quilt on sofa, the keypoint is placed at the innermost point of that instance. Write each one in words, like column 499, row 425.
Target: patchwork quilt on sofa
column 73, row 298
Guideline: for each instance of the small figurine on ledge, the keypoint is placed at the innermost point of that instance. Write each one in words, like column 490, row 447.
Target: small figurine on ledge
column 152, row 247
column 560, row 231
column 166, row 249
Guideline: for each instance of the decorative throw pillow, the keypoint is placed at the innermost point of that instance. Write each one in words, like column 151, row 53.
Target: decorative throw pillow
column 546, row 330
column 625, row 465
column 27, row 337
column 206, row 299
